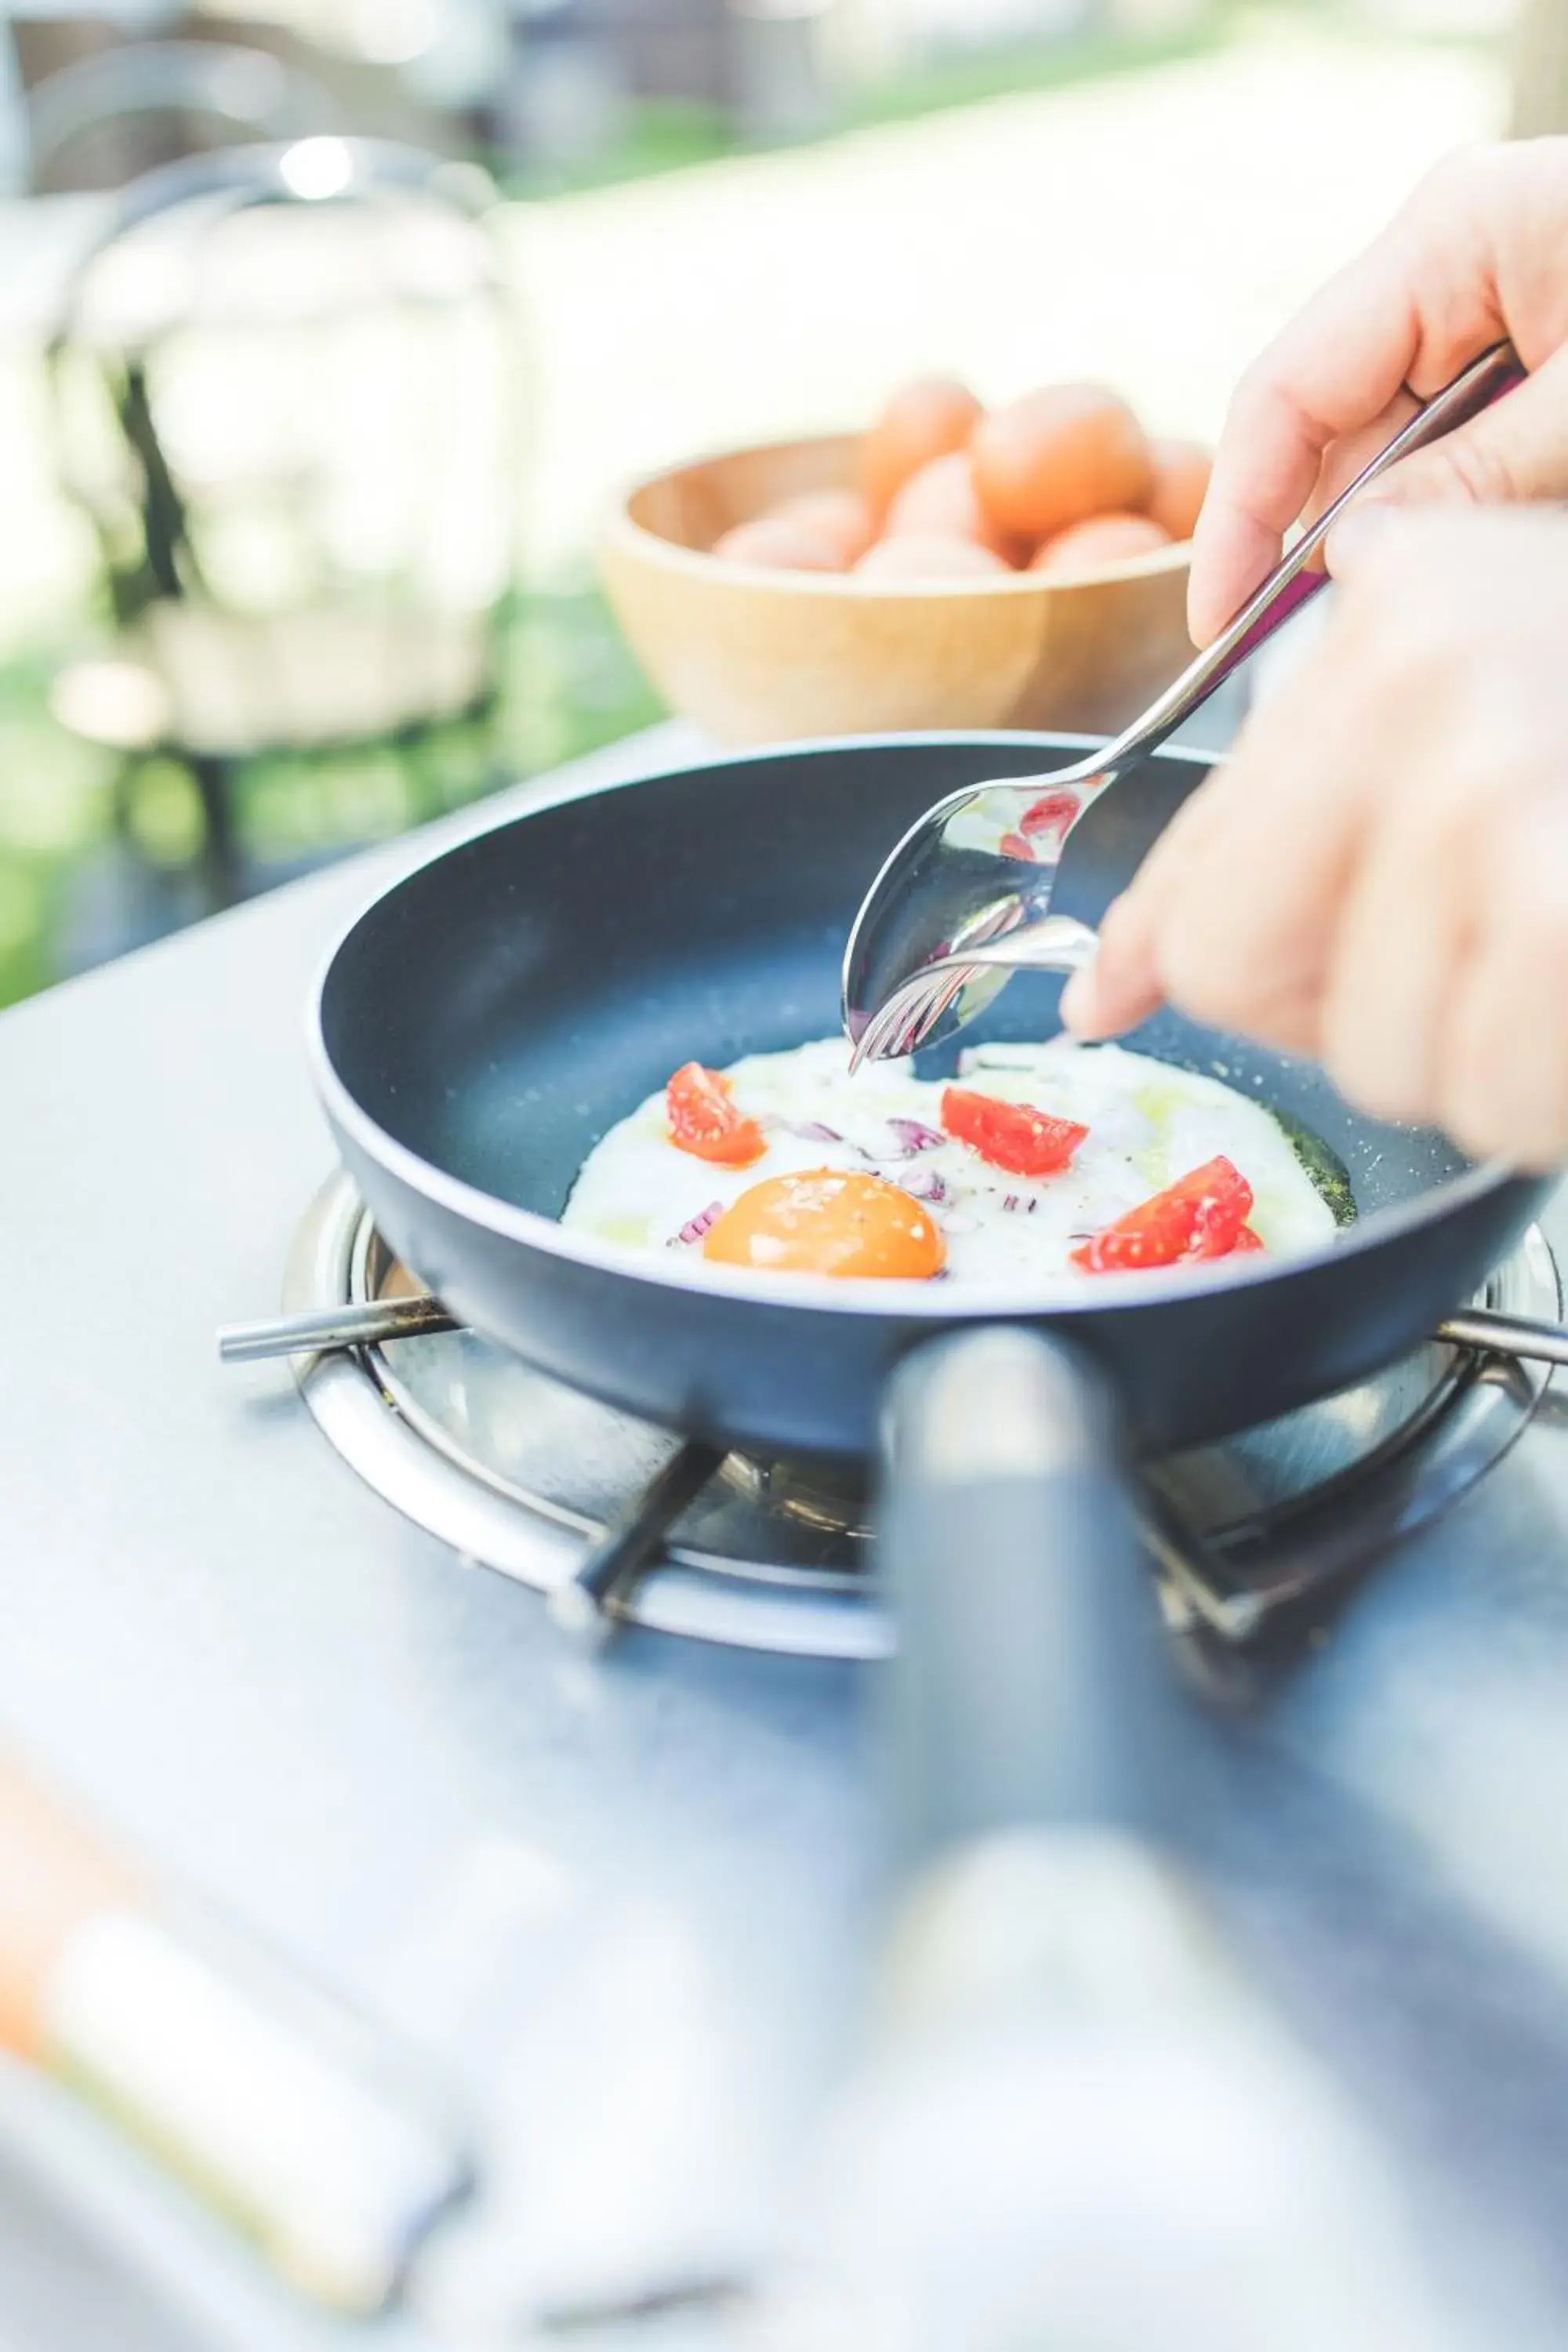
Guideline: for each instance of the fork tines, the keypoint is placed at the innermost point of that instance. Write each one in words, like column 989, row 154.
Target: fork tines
column 903, row 1023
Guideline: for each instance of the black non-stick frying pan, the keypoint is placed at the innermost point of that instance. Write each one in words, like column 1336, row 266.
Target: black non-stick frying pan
column 487, row 1020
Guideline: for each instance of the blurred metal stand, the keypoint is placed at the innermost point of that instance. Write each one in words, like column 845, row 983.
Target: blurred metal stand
column 779, row 79
column 565, row 99
column 761, row 65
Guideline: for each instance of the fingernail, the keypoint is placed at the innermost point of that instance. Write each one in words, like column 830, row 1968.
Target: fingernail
column 1361, row 532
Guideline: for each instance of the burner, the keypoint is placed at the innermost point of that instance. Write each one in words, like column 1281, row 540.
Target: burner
column 515, row 1472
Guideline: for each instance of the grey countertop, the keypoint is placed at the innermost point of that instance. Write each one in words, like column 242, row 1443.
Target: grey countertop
column 279, row 1691
column 259, row 1673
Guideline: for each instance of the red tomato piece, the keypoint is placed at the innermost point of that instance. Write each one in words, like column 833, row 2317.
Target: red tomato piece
column 1052, row 812
column 1013, row 1136
column 704, row 1121
column 1203, row 1216
column 1014, row 846
column 1247, row 1243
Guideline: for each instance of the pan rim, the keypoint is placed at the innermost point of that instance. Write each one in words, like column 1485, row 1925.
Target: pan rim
column 813, row 1294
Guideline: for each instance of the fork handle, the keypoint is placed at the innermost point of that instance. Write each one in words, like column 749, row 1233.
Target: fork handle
column 1295, row 580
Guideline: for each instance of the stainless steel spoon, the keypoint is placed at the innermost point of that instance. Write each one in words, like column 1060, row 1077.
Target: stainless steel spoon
column 964, row 899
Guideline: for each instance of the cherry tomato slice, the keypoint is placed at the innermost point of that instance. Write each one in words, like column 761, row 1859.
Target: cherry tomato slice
column 1014, row 846
column 1013, row 1136
column 1052, row 812
column 1247, row 1243
column 1202, row 1217
column 704, row 1121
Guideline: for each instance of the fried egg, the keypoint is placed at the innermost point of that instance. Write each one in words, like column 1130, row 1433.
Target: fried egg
column 854, row 1176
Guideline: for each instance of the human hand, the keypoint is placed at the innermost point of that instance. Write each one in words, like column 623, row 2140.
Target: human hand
column 1379, row 878
column 1476, row 254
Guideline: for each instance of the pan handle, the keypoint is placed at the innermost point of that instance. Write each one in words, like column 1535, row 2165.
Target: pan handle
column 1488, row 1334
column 1075, row 2115
column 1028, row 1633
column 325, row 1330
column 383, row 1320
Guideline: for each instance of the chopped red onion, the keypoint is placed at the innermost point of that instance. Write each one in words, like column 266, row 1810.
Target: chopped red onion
column 701, row 1225
column 1017, row 1206
column 913, row 1135
column 925, row 1185
column 815, row 1132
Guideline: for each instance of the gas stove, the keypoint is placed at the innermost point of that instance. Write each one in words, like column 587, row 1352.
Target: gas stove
column 516, row 1471
column 552, row 1868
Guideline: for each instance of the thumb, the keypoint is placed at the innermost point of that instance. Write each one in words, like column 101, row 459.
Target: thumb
column 1511, row 454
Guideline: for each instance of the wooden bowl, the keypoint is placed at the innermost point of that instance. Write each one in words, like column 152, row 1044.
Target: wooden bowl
column 756, row 656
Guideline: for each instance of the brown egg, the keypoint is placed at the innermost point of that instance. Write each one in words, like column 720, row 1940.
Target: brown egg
column 941, row 502
column 1182, row 470
column 1105, row 539
column 842, row 517
column 777, row 543
column 926, row 555
column 1057, row 458
column 925, row 419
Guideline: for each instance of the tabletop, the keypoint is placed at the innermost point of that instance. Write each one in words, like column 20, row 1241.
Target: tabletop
column 559, row 1877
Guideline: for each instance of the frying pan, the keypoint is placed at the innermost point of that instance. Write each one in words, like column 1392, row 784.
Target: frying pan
column 483, row 1023
column 481, row 1026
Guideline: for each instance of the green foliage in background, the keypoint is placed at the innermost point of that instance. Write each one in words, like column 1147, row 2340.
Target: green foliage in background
column 98, row 850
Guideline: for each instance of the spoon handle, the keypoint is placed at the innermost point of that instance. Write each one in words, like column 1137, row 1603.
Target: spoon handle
column 1295, row 579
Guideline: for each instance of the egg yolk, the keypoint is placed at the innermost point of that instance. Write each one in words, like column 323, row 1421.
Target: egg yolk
column 828, row 1222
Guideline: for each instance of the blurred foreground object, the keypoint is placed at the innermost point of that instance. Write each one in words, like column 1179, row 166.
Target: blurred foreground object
column 330, row 2141
column 285, row 394
column 1080, row 2130
column 282, row 2112
column 1084, row 2133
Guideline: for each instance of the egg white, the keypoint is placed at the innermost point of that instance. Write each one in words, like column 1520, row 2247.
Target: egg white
column 1148, row 1125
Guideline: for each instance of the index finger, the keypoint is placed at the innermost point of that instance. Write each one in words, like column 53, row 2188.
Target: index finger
column 1376, row 329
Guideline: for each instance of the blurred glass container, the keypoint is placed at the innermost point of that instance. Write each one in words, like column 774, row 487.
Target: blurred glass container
column 286, row 394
